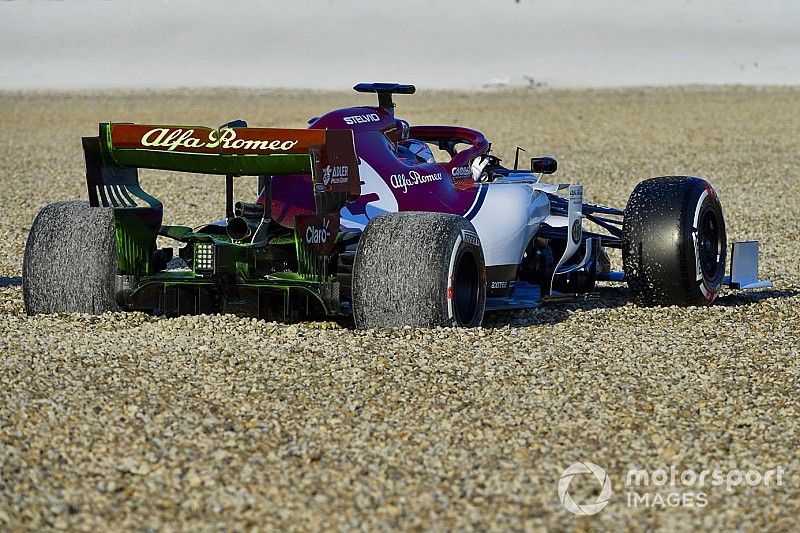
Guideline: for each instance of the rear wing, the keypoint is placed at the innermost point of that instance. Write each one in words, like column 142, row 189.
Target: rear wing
column 113, row 157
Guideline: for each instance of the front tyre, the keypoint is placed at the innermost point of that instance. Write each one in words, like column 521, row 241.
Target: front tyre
column 673, row 242
column 419, row 269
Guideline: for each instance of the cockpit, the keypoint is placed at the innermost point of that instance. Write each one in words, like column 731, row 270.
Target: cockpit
column 412, row 152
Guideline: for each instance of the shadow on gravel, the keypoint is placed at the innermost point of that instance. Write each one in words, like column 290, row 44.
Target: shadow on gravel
column 607, row 298
column 747, row 298
column 16, row 281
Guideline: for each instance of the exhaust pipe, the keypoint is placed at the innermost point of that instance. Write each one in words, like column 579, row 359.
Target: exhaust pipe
column 238, row 229
column 246, row 210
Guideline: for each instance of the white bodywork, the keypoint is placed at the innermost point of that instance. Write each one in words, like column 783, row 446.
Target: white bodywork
column 371, row 183
column 509, row 217
column 505, row 218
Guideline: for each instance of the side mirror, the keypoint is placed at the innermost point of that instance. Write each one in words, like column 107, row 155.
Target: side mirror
column 543, row 165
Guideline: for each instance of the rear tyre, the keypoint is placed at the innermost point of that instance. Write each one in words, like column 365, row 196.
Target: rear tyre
column 673, row 242
column 70, row 260
column 419, row 269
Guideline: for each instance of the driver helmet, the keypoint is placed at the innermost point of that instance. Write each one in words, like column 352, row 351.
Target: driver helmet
column 412, row 151
column 403, row 129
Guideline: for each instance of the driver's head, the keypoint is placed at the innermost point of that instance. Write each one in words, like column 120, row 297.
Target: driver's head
column 413, row 151
column 403, row 129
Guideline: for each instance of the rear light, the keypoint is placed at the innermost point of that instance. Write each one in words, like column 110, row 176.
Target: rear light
column 203, row 257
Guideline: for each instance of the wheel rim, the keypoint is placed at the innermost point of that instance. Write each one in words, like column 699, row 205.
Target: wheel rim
column 709, row 243
column 466, row 288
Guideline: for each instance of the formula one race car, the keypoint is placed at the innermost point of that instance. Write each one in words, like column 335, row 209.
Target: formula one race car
column 357, row 216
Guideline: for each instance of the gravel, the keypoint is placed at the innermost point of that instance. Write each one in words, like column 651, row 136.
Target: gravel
column 127, row 421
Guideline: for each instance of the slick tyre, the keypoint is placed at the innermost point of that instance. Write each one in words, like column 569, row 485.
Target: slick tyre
column 419, row 269
column 70, row 260
column 673, row 242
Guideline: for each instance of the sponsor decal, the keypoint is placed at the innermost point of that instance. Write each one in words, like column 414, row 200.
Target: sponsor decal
column 402, row 181
column 461, row 172
column 172, row 139
column 576, row 231
column 576, row 198
column 470, row 237
column 499, row 285
column 198, row 139
column 315, row 235
column 318, row 232
column 335, row 165
column 335, row 174
column 362, row 119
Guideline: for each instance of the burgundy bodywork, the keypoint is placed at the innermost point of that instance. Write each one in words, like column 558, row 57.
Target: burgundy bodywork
column 376, row 131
